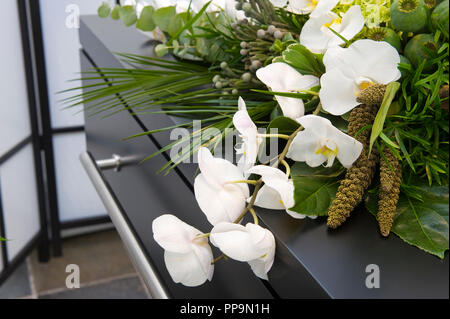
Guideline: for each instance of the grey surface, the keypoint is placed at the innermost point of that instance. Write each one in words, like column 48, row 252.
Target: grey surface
column 126, row 288
column 146, row 269
column 311, row 261
column 17, row 285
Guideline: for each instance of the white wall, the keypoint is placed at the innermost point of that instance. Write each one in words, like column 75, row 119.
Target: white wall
column 76, row 195
column 14, row 119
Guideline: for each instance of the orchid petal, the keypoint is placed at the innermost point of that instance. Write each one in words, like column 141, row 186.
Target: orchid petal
column 234, row 241
column 313, row 36
column 352, row 22
column 218, row 171
column 376, row 60
column 349, row 149
column 219, row 205
column 186, row 268
column 172, row 234
column 338, row 92
column 323, row 7
column 269, row 198
column 281, row 77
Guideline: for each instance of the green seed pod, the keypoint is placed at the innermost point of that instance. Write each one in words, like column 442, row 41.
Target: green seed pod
column 439, row 17
column 417, row 49
column 409, row 15
column 387, row 35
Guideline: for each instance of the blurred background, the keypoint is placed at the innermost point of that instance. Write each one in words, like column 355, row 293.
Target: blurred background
column 50, row 214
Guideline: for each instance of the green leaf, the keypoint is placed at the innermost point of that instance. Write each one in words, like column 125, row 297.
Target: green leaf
column 303, row 60
column 161, row 50
column 128, row 15
column 162, row 17
column 176, row 23
column 378, row 124
column 145, row 22
column 314, row 188
column 2, row 239
column 103, row 10
column 115, row 12
column 424, row 223
column 192, row 21
column 285, row 125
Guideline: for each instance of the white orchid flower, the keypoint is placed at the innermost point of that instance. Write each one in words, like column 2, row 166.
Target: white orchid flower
column 314, row 8
column 218, row 197
column 250, row 243
column 277, row 191
column 250, row 138
column 349, row 71
column 321, row 142
column 317, row 36
column 187, row 255
column 281, row 77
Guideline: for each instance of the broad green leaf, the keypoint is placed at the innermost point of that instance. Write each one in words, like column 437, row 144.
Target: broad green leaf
column 115, row 12
column 176, row 23
column 378, row 124
column 103, row 10
column 2, row 239
column 162, row 17
column 145, row 22
column 128, row 15
column 285, row 125
column 314, row 188
column 423, row 224
column 303, row 60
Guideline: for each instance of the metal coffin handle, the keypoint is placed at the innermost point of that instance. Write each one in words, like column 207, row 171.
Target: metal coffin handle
column 138, row 257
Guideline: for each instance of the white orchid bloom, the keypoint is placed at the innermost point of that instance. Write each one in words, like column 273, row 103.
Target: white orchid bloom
column 277, row 191
column 252, row 244
column 281, row 77
column 250, row 138
column 219, row 198
column 349, row 71
column 314, row 8
column 321, row 142
column 187, row 257
column 317, row 36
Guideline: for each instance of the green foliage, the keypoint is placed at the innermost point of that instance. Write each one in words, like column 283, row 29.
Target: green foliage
column 128, row 15
column 284, row 125
column 420, row 126
column 378, row 124
column 145, row 21
column 421, row 222
column 104, row 10
column 115, row 12
column 315, row 188
column 304, row 60
column 162, row 17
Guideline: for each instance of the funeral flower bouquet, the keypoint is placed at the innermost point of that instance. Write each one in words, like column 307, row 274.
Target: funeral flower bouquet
column 355, row 91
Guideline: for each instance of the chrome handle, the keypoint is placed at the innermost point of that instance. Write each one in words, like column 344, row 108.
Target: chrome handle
column 141, row 262
column 116, row 162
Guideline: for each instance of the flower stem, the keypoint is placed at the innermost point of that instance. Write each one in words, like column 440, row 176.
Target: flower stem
column 218, row 259
column 255, row 218
column 287, row 167
column 242, row 181
column 284, row 136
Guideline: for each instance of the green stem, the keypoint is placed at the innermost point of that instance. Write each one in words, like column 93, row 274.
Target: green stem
column 255, row 218
column 284, row 136
column 243, row 181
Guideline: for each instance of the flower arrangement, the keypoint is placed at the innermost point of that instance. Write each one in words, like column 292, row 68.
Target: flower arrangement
column 358, row 93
